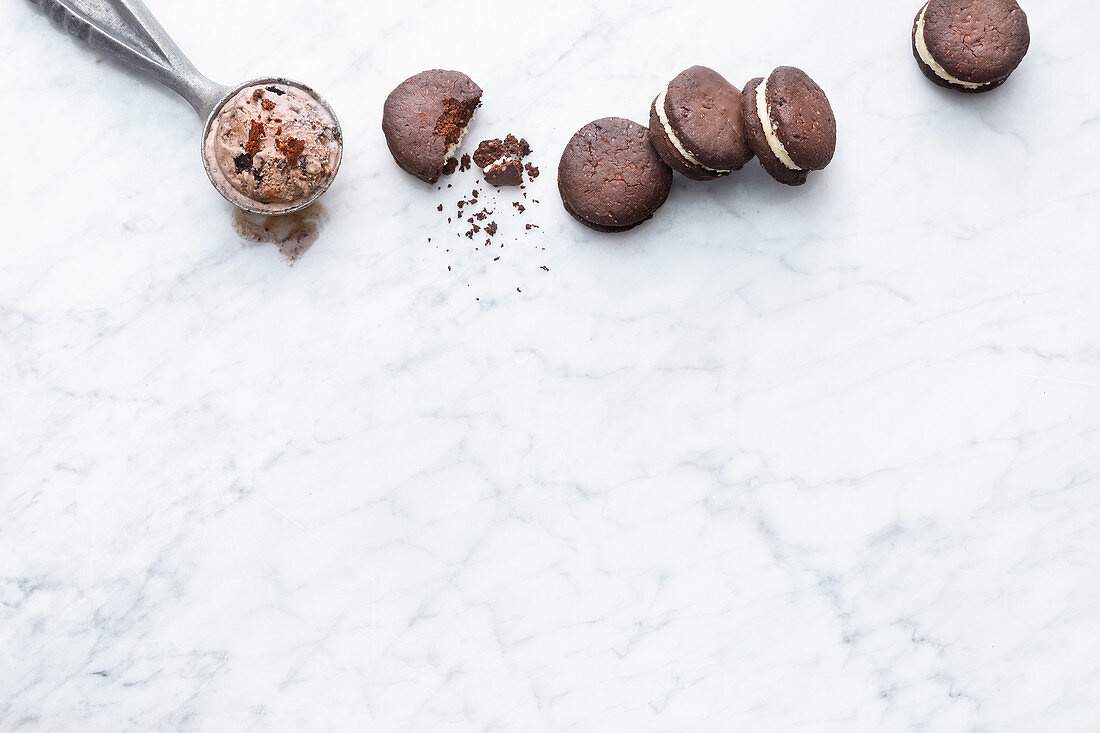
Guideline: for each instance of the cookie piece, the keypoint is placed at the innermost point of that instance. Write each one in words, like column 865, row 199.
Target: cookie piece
column 502, row 160
column 695, row 124
column 971, row 46
column 505, row 172
column 425, row 119
column 492, row 150
column 789, row 124
column 610, row 177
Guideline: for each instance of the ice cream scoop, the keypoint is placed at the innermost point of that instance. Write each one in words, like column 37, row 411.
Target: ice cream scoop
column 270, row 145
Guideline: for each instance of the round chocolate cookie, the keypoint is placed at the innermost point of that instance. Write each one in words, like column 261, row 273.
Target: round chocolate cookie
column 970, row 46
column 696, row 127
column 610, row 177
column 425, row 119
column 789, row 124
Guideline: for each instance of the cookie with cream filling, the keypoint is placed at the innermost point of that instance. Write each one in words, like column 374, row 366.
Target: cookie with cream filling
column 789, row 124
column 695, row 124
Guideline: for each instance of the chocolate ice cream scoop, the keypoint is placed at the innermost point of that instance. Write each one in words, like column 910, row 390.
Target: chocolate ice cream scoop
column 270, row 146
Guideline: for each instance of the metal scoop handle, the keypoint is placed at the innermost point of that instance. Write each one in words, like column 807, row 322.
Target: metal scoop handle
column 127, row 30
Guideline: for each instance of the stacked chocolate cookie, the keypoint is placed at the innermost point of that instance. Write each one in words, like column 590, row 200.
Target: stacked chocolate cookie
column 971, row 46
column 615, row 174
column 610, row 177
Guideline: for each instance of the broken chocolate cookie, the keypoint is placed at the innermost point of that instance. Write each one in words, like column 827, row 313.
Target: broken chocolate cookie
column 425, row 119
column 502, row 160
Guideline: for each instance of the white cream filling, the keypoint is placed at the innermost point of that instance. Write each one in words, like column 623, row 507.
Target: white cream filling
column 769, row 130
column 931, row 63
column 663, row 117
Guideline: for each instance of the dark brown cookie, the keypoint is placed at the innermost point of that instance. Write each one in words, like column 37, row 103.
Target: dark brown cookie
column 800, row 119
column 490, row 151
column 507, row 172
column 610, row 177
column 970, row 46
column 425, row 118
column 502, row 160
column 696, row 126
column 754, row 134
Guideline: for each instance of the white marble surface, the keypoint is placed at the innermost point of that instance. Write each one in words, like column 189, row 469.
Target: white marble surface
column 817, row 460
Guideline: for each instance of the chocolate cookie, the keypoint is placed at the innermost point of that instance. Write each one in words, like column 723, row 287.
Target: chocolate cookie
column 506, row 172
column 971, row 46
column 789, row 124
column 610, row 177
column 425, row 118
column 695, row 125
column 489, row 151
column 502, row 160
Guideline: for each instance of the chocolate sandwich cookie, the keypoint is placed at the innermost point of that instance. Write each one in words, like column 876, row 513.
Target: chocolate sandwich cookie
column 789, row 124
column 971, row 46
column 610, row 177
column 695, row 125
column 425, row 119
